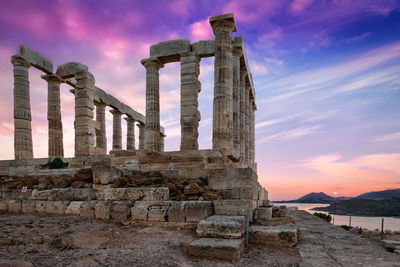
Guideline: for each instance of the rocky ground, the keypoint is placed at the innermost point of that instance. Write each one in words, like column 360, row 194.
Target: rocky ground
column 51, row 240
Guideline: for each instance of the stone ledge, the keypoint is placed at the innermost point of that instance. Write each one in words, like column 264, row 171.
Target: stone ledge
column 280, row 236
column 225, row 249
column 221, row 226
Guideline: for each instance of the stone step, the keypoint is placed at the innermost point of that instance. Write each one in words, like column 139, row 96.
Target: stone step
column 222, row 226
column 279, row 236
column 226, row 249
column 274, row 221
column 262, row 213
column 234, row 207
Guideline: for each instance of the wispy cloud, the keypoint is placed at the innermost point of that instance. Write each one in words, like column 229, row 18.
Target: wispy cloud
column 387, row 137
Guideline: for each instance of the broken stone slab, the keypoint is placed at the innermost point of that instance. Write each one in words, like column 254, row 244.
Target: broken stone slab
column 170, row 51
column 105, row 174
column 391, row 245
column 222, row 226
column 280, row 236
column 36, row 59
column 225, row 249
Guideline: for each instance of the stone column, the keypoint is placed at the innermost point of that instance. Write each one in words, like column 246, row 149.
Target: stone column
column 247, row 124
column 152, row 104
column 55, row 145
column 243, row 73
column 252, row 133
column 101, row 136
column 162, row 136
column 142, row 135
column 84, row 105
column 130, row 133
column 190, row 88
column 22, row 110
column 236, row 54
column 117, row 133
column 223, row 26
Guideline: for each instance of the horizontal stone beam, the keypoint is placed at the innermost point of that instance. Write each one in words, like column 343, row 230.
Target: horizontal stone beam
column 36, row 59
column 204, row 48
column 170, row 51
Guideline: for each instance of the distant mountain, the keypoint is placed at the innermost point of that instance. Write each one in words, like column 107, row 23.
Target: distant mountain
column 320, row 197
column 378, row 195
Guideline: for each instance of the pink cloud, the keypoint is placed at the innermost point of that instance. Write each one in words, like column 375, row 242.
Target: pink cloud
column 300, row 5
column 201, row 30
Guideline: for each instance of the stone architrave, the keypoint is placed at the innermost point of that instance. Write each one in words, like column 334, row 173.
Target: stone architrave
column 84, row 104
column 55, row 145
column 236, row 54
column 117, row 132
column 190, row 88
column 101, row 136
column 152, row 104
column 243, row 74
column 22, row 110
column 142, row 135
column 223, row 26
column 247, row 123
column 130, row 133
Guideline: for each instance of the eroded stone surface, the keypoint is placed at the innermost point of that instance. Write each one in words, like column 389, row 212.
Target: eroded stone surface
column 226, row 249
column 220, row 226
column 281, row 236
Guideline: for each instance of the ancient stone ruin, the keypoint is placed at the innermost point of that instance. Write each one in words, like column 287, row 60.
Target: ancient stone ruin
column 213, row 190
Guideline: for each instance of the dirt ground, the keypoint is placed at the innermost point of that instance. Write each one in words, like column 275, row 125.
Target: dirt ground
column 51, row 240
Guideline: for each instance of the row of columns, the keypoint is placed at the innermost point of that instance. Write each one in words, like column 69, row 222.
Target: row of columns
column 84, row 105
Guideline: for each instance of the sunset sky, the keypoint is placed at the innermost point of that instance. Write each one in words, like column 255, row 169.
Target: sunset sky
column 326, row 74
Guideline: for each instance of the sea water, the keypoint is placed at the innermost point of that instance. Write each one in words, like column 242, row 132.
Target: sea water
column 370, row 223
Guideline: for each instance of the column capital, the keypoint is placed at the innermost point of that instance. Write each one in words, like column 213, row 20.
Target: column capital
column 152, row 62
column 52, row 78
column 226, row 21
column 100, row 104
column 19, row 61
column 140, row 125
column 243, row 71
column 129, row 119
column 237, row 51
column 115, row 112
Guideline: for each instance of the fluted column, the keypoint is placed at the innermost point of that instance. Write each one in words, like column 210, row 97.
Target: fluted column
column 223, row 26
column 190, row 88
column 142, row 137
column 84, row 105
column 117, row 133
column 247, row 124
column 22, row 110
column 236, row 54
column 252, row 133
column 243, row 73
column 55, row 145
column 162, row 137
column 130, row 133
column 101, row 136
column 152, row 104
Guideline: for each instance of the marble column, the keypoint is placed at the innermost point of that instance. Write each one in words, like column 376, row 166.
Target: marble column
column 252, row 133
column 130, row 133
column 55, row 145
column 247, row 124
column 236, row 54
column 190, row 88
column 101, row 136
column 223, row 26
column 162, row 137
column 117, row 133
column 84, row 105
column 243, row 74
column 152, row 104
column 142, row 135
column 22, row 110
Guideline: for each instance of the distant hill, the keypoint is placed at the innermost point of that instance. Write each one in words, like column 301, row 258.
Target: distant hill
column 378, row 195
column 320, row 197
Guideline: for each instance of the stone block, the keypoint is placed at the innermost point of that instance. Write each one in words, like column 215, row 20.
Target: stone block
column 138, row 193
column 176, row 212
column 14, row 206
column 280, row 236
column 205, row 48
column 157, row 213
column 70, row 69
column 193, row 189
column 74, row 208
column 105, row 174
column 225, row 249
column 222, row 226
column 85, row 209
column 262, row 213
column 120, row 210
column 196, row 211
column 103, row 210
column 170, row 51
column 56, row 207
column 36, row 59
column 3, row 205
column 140, row 210
column 233, row 207
column 28, row 206
column 40, row 206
